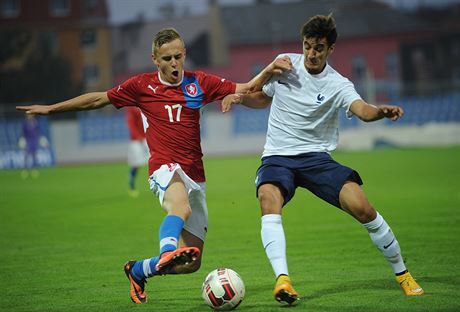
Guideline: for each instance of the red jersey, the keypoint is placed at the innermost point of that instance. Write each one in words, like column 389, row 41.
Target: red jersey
column 173, row 115
column 134, row 123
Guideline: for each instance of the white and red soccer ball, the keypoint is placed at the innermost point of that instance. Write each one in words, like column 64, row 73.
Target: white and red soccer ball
column 223, row 289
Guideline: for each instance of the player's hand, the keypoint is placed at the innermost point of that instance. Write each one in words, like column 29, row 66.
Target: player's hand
column 35, row 109
column 280, row 65
column 230, row 100
column 391, row 111
column 277, row 67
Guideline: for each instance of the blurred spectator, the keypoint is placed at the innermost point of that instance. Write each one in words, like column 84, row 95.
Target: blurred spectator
column 30, row 141
column 138, row 152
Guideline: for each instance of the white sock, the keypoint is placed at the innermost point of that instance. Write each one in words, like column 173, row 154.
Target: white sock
column 382, row 237
column 274, row 243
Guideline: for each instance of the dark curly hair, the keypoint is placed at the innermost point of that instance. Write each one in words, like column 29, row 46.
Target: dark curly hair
column 320, row 26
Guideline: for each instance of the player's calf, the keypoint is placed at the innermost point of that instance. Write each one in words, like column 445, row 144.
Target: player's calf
column 188, row 268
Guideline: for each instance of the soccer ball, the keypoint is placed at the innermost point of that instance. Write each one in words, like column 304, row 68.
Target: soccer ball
column 223, row 289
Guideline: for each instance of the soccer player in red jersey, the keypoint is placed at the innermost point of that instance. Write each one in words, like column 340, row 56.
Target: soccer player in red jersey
column 138, row 151
column 170, row 99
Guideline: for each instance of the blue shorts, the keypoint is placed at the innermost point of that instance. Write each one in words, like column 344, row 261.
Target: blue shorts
column 317, row 172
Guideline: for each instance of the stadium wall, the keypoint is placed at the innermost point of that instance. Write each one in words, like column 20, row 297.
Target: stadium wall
column 221, row 137
column 70, row 148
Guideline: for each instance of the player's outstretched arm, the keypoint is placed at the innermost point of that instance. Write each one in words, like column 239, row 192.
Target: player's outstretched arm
column 278, row 66
column 368, row 112
column 252, row 100
column 87, row 101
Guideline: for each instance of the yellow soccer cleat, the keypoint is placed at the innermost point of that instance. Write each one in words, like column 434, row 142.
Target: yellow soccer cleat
column 409, row 285
column 284, row 292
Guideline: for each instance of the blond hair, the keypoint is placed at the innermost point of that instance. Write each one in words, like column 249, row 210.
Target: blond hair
column 165, row 35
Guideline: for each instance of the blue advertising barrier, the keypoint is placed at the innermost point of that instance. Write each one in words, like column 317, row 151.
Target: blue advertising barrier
column 12, row 156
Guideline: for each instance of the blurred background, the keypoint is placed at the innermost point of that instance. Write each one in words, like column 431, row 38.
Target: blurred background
column 404, row 52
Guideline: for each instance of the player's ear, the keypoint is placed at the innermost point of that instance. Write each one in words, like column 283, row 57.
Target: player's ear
column 154, row 59
column 331, row 49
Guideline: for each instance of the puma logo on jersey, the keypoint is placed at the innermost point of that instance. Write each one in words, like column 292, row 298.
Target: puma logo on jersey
column 153, row 89
column 119, row 88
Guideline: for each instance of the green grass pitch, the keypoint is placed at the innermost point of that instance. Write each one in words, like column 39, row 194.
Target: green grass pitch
column 65, row 236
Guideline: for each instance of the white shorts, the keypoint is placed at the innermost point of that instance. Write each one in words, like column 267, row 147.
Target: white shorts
column 138, row 153
column 197, row 223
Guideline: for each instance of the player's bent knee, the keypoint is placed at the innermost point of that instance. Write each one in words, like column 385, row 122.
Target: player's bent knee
column 365, row 214
column 268, row 205
column 270, row 199
column 178, row 209
column 358, row 207
column 187, row 212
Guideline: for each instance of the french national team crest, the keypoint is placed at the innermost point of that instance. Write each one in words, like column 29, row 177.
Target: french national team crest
column 191, row 89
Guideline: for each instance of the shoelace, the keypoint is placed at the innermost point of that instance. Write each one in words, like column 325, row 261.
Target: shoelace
column 411, row 283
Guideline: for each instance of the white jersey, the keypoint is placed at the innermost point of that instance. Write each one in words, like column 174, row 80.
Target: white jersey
column 304, row 114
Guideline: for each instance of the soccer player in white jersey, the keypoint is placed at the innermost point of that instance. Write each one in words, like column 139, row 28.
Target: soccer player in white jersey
column 302, row 131
column 170, row 99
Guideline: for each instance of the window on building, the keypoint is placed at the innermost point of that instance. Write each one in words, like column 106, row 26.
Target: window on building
column 391, row 65
column 121, row 62
column 455, row 47
column 60, row 8
column 91, row 74
column 88, row 38
column 50, row 40
column 10, row 8
column 456, row 76
column 454, row 52
column 90, row 5
column 358, row 69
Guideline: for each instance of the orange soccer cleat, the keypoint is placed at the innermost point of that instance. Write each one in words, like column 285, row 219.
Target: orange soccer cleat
column 180, row 256
column 136, row 292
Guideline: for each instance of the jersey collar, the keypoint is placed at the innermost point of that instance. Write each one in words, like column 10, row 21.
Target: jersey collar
column 170, row 84
column 320, row 75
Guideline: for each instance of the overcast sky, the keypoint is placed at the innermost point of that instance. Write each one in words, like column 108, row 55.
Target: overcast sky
column 122, row 11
